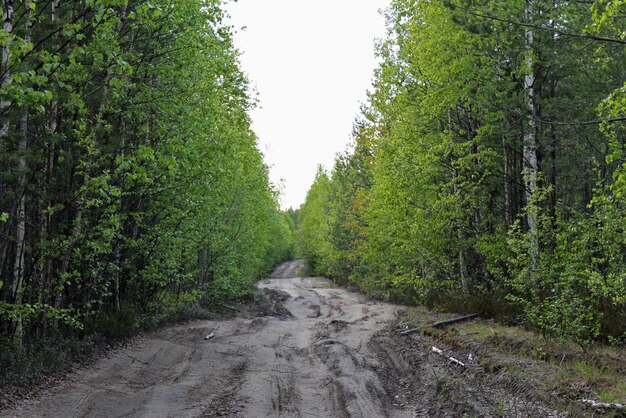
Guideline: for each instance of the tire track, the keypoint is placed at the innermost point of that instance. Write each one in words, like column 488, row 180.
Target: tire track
column 307, row 349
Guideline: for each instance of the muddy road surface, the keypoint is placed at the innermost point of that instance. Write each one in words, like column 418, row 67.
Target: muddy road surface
column 308, row 349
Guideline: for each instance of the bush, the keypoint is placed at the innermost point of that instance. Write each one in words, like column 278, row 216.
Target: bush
column 30, row 362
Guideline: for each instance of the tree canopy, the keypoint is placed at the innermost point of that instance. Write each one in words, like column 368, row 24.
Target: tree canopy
column 129, row 175
column 487, row 172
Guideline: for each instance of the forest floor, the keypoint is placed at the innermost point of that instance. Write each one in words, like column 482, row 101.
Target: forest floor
column 306, row 348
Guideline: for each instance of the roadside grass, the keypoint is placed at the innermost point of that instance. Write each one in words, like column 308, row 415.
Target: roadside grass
column 420, row 316
column 560, row 366
column 597, row 372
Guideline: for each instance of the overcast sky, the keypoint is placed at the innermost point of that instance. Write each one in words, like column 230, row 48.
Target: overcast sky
column 311, row 62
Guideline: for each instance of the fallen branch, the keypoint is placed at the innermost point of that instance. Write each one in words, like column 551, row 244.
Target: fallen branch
column 231, row 308
column 410, row 331
column 439, row 324
column 602, row 405
column 451, row 359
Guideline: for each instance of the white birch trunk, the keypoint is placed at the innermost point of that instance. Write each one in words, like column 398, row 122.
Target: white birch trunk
column 531, row 168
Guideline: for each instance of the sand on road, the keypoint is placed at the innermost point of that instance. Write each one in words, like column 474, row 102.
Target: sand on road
column 314, row 350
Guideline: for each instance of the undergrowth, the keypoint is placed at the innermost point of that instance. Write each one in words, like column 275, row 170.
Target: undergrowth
column 35, row 360
column 568, row 370
column 23, row 366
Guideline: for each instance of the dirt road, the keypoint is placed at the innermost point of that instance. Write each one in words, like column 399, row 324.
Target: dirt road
column 318, row 351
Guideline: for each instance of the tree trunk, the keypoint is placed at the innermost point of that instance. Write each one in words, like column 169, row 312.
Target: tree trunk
column 553, row 162
column 45, row 273
column 20, row 232
column 116, row 280
column 508, row 214
column 77, row 225
column 531, row 168
column 461, row 237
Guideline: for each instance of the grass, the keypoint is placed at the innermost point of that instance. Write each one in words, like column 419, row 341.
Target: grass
column 563, row 367
column 592, row 373
column 481, row 330
column 603, row 384
column 420, row 316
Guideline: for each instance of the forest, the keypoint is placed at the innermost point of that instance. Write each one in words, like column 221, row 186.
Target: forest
column 132, row 188
column 487, row 172
column 488, row 168
column 486, row 177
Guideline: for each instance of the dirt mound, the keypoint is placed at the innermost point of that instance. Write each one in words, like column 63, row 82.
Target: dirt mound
column 270, row 302
column 416, row 376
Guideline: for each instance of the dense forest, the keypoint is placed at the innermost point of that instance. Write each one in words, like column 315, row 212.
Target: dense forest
column 488, row 168
column 131, row 184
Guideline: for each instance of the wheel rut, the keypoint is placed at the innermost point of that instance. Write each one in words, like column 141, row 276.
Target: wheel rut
column 307, row 349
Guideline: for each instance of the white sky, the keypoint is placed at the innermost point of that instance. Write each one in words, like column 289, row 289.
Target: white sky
column 311, row 62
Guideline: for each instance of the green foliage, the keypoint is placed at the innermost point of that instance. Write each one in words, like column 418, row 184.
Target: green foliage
column 313, row 230
column 129, row 145
column 27, row 313
column 24, row 364
column 437, row 204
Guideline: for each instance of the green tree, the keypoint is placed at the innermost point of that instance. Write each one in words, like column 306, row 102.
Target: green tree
column 488, row 174
column 128, row 171
column 313, row 228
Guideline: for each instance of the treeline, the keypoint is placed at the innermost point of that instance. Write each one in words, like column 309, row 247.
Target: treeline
column 130, row 180
column 488, row 170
